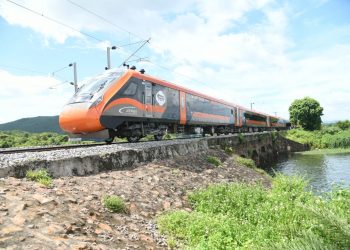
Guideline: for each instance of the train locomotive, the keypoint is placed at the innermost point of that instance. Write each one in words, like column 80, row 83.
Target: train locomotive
column 129, row 104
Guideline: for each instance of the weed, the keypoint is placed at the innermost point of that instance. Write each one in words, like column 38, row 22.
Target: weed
column 241, row 138
column 114, row 204
column 176, row 172
column 229, row 150
column 274, row 136
column 169, row 136
column 245, row 162
column 246, row 216
column 171, row 243
column 214, row 160
column 41, row 176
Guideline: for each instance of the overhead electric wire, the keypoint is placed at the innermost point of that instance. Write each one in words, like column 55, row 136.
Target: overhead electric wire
column 104, row 19
column 21, row 69
column 52, row 74
column 61, row 83
column 54, row 20
column 137, row 50
column 66, row 25
column 58, row 70
column 180, row 74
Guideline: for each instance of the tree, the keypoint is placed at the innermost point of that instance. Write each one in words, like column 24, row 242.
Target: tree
column 306, row 113
column 343, row 125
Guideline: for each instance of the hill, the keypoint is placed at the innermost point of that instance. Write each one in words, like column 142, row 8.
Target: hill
column 34, row 124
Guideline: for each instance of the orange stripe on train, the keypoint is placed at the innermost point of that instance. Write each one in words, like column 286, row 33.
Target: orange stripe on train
column 210, row 116
column 133, row 102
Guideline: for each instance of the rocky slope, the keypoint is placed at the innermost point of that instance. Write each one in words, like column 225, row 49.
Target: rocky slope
column 70, row 214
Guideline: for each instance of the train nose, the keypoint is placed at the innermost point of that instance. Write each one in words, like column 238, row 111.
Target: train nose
column 78, row 118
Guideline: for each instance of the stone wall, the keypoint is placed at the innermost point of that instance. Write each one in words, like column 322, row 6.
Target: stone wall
column 263, row 148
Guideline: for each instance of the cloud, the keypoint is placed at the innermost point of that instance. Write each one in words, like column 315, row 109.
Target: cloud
column 25, row 96
column 241, row 51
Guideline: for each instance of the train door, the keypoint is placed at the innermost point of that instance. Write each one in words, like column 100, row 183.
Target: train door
column 268, row 121
column 235, row 122
column 182, row 108
column 148, row 99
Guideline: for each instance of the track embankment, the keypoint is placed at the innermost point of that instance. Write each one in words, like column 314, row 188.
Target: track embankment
column 70, row 214
column 152, row 178
column 261, row 147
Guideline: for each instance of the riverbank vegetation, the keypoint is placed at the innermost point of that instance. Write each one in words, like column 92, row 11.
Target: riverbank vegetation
column 331, row 136
column 25, row 139
column 243, row 216
column 328, row 151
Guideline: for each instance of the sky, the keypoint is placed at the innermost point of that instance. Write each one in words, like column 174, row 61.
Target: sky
column 264, row 52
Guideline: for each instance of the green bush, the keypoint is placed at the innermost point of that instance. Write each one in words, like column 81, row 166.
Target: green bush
column 114, row 204
column 343, row 124
column 243, row 216
column 327, row 137
column 245, row 162
column 214, row 160
column 41, row 176
column 25, row 139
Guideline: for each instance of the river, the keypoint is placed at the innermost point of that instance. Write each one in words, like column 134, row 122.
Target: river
column 321, row 170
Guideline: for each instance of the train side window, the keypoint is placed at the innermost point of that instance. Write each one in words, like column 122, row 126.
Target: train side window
column 231, row 111
column 131, row 89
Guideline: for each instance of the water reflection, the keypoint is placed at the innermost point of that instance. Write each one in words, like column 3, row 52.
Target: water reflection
column 322, row 171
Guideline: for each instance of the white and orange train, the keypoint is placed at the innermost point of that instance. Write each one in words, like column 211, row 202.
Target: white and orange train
column 130, row 104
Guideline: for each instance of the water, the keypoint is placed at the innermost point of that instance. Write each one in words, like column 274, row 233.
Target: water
column 322, row 171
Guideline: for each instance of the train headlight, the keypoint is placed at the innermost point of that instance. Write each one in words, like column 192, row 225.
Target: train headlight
column 97, row 101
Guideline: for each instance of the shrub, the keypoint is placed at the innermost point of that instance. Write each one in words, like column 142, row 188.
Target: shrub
column 19, row 139
column 245, row 162
column 229, row 150
column 343, row 124
column 41, row 176
column 214, row 160
column 114, row 204
column 245, row 216
column 328, row 137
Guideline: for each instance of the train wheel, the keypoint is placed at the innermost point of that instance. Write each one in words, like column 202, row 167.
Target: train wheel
column 133, row 138
column 158, row 137
column 109, row 140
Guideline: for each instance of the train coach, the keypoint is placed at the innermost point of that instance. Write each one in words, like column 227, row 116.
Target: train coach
column 129, row 104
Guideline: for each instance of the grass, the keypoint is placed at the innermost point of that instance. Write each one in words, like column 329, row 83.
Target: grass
column 114, row 204
column 326, row 151
column 41, row 176
column 214, row 160
column 243, row 216
column 245, row 162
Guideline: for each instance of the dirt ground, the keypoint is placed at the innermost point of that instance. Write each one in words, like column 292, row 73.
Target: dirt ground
column 71, row 215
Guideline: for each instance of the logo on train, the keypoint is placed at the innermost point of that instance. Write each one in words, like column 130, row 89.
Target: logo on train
column 160, row 97
column 128, row 110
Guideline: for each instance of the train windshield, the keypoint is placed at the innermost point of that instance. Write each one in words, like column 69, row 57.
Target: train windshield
column 96, row 86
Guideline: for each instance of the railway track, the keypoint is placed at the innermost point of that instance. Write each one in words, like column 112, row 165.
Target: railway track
column 71, row 146
column 49, row 148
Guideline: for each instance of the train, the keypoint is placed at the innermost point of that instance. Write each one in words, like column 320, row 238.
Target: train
column 128, row 103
